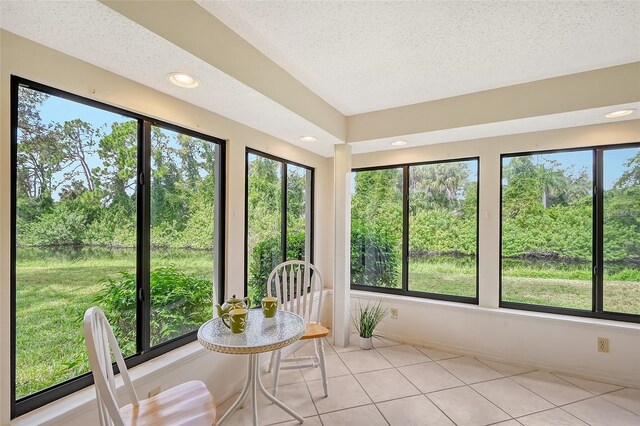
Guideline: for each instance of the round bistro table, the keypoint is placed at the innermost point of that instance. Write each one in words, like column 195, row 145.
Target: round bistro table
column 261, row 335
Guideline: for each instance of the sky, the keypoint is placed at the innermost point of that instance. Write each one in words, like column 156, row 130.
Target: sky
column 577, row 161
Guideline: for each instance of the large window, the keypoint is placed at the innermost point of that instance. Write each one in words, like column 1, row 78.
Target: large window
column 414, row 230
column 110, row 209
column 279, row 217
column 571, row 233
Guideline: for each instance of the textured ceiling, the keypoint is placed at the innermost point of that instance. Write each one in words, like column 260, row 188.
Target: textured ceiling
column 366, row 56
column 96, row 34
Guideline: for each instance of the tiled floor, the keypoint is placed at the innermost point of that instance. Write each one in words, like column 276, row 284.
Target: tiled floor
column 397, row 384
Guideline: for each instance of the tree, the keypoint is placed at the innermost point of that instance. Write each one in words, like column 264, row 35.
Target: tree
column 79, row 140
column 40, row 155
column 119, row 155
column 438, row 185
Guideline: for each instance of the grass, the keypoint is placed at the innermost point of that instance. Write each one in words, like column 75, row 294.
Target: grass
column 52, row 293
column 55, row 287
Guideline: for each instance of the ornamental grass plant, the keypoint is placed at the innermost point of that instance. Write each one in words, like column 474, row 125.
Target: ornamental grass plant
column 368, row 317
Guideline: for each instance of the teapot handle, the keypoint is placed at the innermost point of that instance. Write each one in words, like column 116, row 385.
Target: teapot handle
column 226, row 314
column 247, row 302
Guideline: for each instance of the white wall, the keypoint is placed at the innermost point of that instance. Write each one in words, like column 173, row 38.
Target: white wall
column 222, row 373
column 553, row 342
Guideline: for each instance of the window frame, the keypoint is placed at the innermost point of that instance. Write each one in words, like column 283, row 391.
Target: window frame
column 404, row 291
column 283, row 207
column 597, row 254
column 144, row 351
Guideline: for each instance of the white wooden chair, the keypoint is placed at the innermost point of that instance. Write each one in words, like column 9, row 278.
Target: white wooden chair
column 189, row 403
column 297, row 283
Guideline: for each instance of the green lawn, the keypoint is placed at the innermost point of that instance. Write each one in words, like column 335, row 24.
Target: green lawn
column 54, row 289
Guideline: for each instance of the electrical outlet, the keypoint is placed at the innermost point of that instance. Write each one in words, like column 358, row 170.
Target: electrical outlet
column 603, row 344
column 155, row 391
column 394, row 313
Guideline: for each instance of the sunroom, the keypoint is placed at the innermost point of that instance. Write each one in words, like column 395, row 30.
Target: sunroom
column 330, row 213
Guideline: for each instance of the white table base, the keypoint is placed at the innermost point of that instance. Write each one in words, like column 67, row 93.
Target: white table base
column 251, row 384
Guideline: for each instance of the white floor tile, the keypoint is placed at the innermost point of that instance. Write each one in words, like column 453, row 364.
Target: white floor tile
column 308, row 350
column 628, row 398
column 362, row 361
column 507, row 369
column 401, row 355
column 360, row 416
column 287, row 377
column 383, row 385
column 551, row 388
column 437, row 355
column 512, row 398
column 334, row 366
column 413, row 411
column 430, row 377
column 354, row 345
column 466, row 407
column 308, row 421
column 295, row 396
column 555, row 417
column 382, row 342
column 600, row 412
column 344, row 392
column 596, row 388
column 470, row 370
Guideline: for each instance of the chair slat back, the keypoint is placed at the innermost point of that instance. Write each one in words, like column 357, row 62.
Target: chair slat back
column 101, row 344
column 296, row 283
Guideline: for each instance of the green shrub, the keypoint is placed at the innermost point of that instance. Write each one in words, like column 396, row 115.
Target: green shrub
column 58, row 227
column 375, row 258
column 265, row 256
column 179, row 304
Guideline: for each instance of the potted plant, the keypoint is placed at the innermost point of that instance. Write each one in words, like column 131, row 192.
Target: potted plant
column 366, row 320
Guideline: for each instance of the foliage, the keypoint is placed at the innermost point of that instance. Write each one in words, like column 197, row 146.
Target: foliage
column 179, row 304
column 368, row 317
column 374, row 259
column 265, row 256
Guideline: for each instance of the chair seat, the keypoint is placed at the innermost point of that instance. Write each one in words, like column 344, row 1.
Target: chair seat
column 315, row 331
column 188, row 403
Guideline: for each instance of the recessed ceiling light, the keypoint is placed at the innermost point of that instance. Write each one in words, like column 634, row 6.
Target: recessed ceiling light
column 308, row 139
column 183, row 80
column 620, row 113
column 399, row 143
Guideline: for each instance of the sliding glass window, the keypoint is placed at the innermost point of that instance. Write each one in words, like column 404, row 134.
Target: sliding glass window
column 570, row 232
column 108, row 208
column 279, row 217
column 414, row 230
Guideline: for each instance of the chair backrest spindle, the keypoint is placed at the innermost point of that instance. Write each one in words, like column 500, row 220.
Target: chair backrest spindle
column 299, row 280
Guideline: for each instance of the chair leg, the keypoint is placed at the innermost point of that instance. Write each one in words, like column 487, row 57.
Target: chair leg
column 273, row 357
column 323, row 369
column 277, row 372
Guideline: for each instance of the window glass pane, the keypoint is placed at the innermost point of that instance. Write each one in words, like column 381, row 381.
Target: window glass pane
column 376, row 228
column 443, row 201
column 183, row 200
column 547, row 229
column 298, row 213
column 75, row 233
column 622, row 230
column 264, row 228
